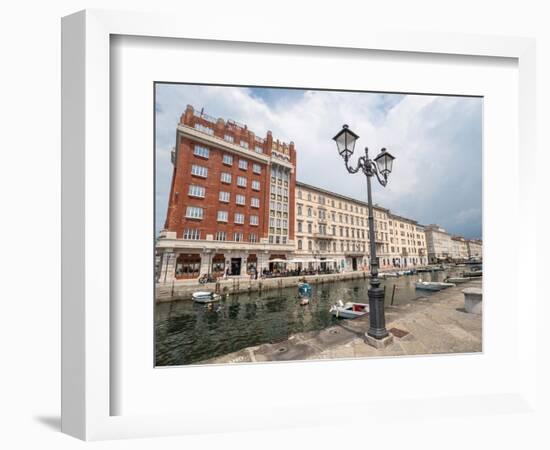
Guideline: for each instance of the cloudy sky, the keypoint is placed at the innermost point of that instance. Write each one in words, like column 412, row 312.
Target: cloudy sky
column 437, row 142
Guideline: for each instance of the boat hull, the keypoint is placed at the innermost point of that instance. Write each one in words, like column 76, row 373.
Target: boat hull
column 350, row 310
column 205, row 297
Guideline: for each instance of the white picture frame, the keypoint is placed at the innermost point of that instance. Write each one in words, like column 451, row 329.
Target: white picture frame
column 86, row 221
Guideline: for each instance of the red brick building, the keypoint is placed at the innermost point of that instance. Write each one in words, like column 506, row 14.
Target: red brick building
column 231, row 205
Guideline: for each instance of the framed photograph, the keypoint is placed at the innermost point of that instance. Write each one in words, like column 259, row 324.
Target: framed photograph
column 258, row 229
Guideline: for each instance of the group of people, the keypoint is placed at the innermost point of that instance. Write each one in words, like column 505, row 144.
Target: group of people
column 266, row 273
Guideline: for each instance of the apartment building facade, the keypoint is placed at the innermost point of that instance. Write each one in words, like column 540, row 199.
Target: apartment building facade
column 231, row 204
column 459, row 248
column 438, row 243
column 407, row 246
column 334, row 228
column 475, row 249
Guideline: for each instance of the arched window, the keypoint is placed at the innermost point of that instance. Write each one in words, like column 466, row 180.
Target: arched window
column 299, row 244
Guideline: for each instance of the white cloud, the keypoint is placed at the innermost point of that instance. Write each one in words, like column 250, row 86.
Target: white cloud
column 436, row 140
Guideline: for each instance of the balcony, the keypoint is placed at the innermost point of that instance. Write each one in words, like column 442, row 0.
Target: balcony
column 323, row 236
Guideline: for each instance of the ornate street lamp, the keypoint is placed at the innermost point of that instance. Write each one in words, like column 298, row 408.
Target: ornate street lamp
column 381, row 166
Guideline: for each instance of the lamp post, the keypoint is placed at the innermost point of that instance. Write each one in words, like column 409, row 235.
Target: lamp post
column 381, row 166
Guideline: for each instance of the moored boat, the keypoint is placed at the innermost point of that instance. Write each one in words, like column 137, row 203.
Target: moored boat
column 304, row 289
column 349, row 310
column 205, row 297
column 473, row 274
column 456, row 280
column 432, row 285
column 388, row 275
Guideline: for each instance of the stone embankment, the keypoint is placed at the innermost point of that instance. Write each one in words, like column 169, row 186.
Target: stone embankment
column 183, row 289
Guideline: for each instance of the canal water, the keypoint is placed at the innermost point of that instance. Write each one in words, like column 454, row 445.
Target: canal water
column 188, row 332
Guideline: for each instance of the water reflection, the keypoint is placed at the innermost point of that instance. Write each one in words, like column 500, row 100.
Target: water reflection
column 187, row 332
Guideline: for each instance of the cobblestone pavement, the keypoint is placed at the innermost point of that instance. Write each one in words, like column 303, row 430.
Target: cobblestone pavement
column 430, row 325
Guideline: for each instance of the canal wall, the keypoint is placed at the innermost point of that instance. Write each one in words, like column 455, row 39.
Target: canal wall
column 184, row 289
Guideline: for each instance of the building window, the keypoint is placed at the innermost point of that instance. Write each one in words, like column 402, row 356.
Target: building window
column 243, row 164
column 224, row 197
column 201, row 151
column 299, row 210
column 193, row 212
column 199, row 171
column 244, row 144
column 299, row 244
column 204, row 129
column 241, row 181
column 253, row 237
column 188, row 266
column 309, row 228
column 229, row 138
column 254, row 220
column 238, row 237
column 256, row 168
column 226, row 177
column 309, row 212
column 240, row 200
column 220, row 236
column 191, row 233
column 196, row 191
column 255, row 202
column 228, row 160
column 239, row 218
column 223, row 216
column 299, row 227
column 258, row 149
column 310, row 245
column 256, row 185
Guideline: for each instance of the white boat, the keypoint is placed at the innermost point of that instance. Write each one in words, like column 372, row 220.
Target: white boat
column 205, row 297
column 456, row 280
column 432, row 285
column 388, row 274
column 349, row 310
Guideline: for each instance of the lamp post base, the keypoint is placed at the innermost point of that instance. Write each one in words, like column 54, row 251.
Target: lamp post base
column 379, row 343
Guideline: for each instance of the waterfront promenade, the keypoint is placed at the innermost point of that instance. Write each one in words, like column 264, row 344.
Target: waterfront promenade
column 430, row 325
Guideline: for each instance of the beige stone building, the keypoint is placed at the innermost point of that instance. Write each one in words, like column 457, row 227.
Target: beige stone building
column 333, row 229
column 459, row 248
column 438, row 242
column 475, row 248
column 407, row 242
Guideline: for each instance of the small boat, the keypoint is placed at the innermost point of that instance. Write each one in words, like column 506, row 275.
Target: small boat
column 423, row 269
column 304, row 289
column 407, row 272
column 473, row 273
column 432, row 285
column 388, row 275
column 456, row 280
column 349, row 310
column 205, row 297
